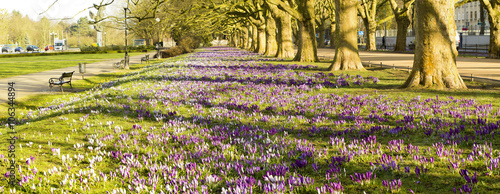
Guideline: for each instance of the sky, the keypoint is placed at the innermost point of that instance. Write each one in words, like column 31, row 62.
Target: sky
column 61, row 9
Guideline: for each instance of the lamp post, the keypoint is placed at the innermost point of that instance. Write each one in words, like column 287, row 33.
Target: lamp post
column 158, row 43
column 126, row 50
column 53, row 34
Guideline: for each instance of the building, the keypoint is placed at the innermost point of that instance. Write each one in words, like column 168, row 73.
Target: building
column 468, row 19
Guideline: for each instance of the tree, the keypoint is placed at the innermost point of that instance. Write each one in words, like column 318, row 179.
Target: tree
column 330, row 6
column 303, row 12
column 4, row 23
column 402, row 12
column 482, row 19
column 284, row 34
column 368, row 11
column 322, row 16
column 435, row 65
column 346, row 49
column 493, row 8
column 259, row 22
column 271, row 43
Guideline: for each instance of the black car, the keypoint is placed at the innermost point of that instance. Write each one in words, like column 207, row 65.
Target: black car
column 32, row 48
column 19, row 49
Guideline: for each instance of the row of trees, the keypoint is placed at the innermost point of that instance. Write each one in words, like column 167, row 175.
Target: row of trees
column 269, row 27
column 433, row 20
column 18, row 29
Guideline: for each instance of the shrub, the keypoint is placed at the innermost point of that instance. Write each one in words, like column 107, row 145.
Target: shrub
column 90, row 49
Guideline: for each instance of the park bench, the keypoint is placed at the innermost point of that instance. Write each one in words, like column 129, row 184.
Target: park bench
column 64, row 79
column 121, row 64
column 146, row 58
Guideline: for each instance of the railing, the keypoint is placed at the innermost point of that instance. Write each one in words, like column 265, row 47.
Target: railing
column 473, row 49
column 476, row 50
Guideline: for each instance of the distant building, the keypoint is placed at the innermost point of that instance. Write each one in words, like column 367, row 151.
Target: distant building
column 468, row 19
column 139, row 42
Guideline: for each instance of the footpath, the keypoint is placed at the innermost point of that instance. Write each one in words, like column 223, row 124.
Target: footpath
column 479, row 67
column 38, row 83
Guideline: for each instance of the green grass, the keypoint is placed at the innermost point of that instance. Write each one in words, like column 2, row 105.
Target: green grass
column 56, row 127
column 26, row 65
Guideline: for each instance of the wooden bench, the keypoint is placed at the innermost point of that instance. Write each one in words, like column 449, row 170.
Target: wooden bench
column 64, row 79
column 146, row 58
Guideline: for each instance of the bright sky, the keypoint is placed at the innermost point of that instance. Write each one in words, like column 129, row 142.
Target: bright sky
column 62, row 9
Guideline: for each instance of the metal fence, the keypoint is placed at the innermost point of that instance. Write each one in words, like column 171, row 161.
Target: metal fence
column 477, row 50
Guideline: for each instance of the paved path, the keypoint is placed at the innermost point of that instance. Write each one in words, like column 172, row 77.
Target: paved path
column 37, row 83
column 481, row 68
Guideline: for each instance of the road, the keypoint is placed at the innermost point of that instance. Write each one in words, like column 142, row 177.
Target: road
column 479, row 67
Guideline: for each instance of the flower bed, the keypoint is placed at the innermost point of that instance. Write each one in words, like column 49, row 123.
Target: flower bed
column 229, row 121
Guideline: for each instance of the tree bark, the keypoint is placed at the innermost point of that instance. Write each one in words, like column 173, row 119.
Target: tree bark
column 321, row 38
column 245, row 38
column 493, row 8
column 332, row 35
column 261, row 39
column 371, row 27
column 271, row 43
column 307, row 47
column 435, row 65
column 232, row 42
column 494, row 50
column 284, row 35
column 402, row 16
column 346, row 49
column 482, row 19
column 285, row 39
column 255, row 37
column 403, row 22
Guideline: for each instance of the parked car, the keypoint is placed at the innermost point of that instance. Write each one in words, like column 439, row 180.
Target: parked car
column 50, row 47
column 7, row 49
column 32, row 48
column 19, row 49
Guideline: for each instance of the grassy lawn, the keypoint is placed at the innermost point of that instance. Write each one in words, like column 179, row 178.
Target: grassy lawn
column 182, row 124
column 25, row 65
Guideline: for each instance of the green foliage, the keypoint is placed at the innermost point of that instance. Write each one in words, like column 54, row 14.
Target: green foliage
column 116, row 48
column 82, row 28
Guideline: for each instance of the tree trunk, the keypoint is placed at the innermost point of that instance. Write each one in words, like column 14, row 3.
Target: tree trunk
column 403, row 22
column 261, row 39
column 286, row 37
column 482, row 19
column 271, row 44
column 435, row 65
column 245, row 37
column 284, row 34
column 295, row 32
column 255, row 37
column 494, row 50
column 346, row 49
column 321, row 38
column 307, row 47
column 371, row 28
column 332, row 35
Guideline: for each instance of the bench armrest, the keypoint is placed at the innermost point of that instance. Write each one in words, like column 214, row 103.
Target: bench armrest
column 51, row 80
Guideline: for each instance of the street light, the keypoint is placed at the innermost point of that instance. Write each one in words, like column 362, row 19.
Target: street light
column 158, row 43
column 53, row 34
